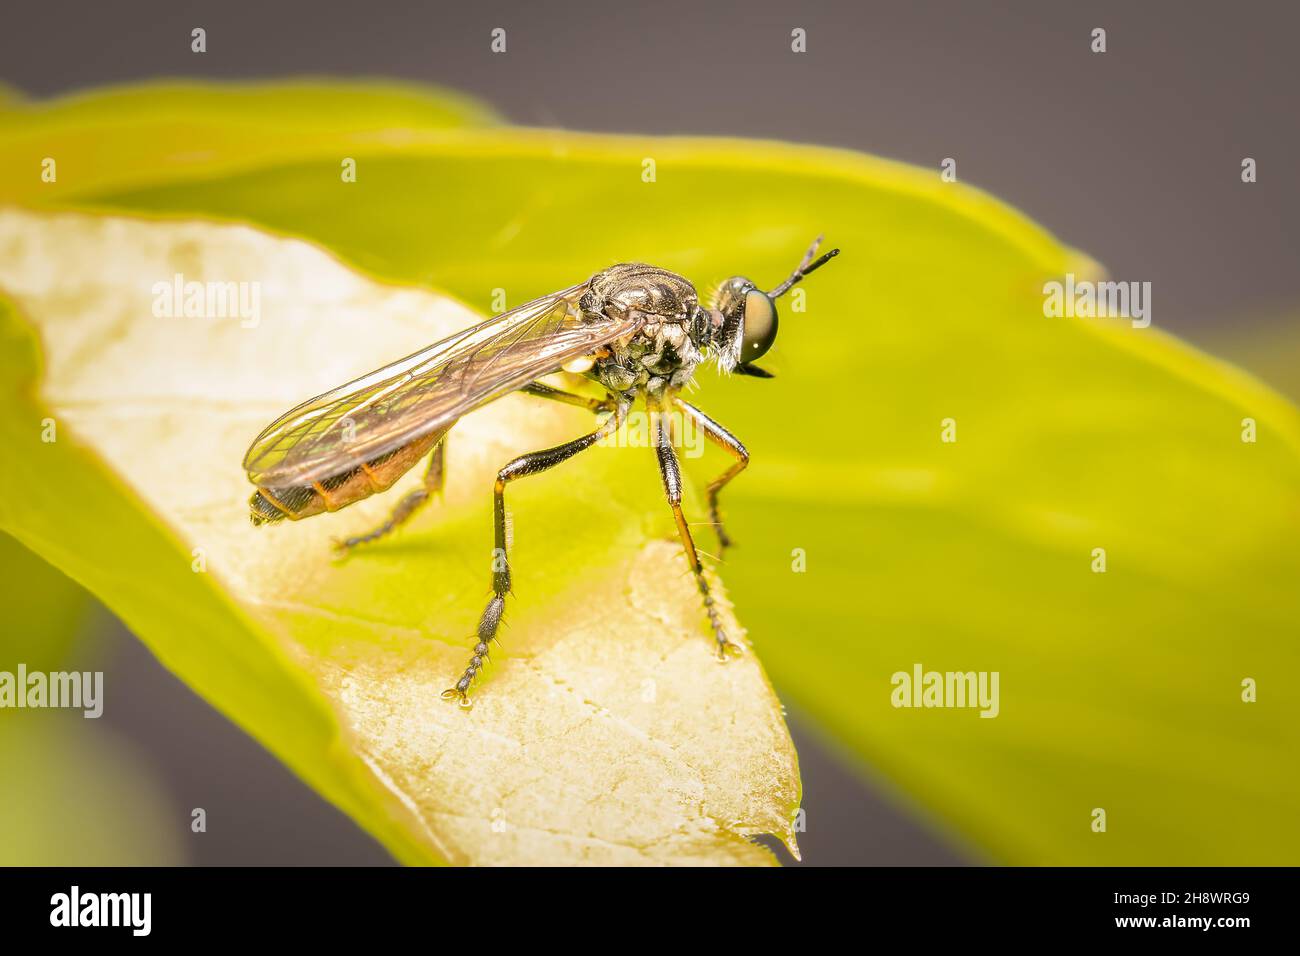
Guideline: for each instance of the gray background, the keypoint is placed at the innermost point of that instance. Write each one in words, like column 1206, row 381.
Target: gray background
column 1133, row 156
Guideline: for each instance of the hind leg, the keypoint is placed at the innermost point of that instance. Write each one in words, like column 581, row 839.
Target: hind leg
column 412, row 501
column 539, row 390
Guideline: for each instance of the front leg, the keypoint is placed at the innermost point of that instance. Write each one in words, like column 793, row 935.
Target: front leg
column 730, row 444
column 531, row 464
column 672, row 476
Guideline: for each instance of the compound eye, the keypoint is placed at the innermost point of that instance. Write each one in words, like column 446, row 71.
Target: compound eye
column 760, row 326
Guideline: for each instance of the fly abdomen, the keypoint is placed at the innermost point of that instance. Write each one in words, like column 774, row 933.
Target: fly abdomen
column 294, row 502
column 303, row 501
column 270, row 505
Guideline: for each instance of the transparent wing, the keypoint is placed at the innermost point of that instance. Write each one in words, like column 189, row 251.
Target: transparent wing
column 380, row 412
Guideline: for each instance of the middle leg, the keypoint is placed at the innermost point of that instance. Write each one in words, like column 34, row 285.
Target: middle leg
column 530, row 464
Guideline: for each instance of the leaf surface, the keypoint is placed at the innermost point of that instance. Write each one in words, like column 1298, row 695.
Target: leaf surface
column 605, row 732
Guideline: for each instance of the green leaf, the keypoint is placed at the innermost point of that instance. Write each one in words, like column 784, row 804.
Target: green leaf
column 608, row 735
column 44, row 611
column 1120, row 690
column 1269, row 348
column 115, row 137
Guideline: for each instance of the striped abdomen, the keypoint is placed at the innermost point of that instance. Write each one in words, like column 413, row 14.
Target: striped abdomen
column 338, row 491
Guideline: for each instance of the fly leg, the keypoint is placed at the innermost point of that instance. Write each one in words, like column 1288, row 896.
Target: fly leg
column 530, row 464
column 537, row 389
column 728, row 443
column 672, row 476
column 434, row 477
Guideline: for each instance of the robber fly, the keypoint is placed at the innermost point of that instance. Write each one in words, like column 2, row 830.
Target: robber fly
column 637, row 330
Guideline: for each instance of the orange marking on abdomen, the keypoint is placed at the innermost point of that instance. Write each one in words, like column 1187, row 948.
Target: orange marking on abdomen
column 324, row 495
column 370, row 474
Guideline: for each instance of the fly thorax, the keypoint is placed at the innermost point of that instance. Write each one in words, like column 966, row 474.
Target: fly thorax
column 618, row 378
column 663, row 347
column 619, row 371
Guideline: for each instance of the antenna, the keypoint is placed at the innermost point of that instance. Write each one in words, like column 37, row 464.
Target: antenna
column 806, row 267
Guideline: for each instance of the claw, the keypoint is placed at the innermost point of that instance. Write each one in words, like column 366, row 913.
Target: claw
column 724, row 540
column 452, row 693
column 725, row 647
